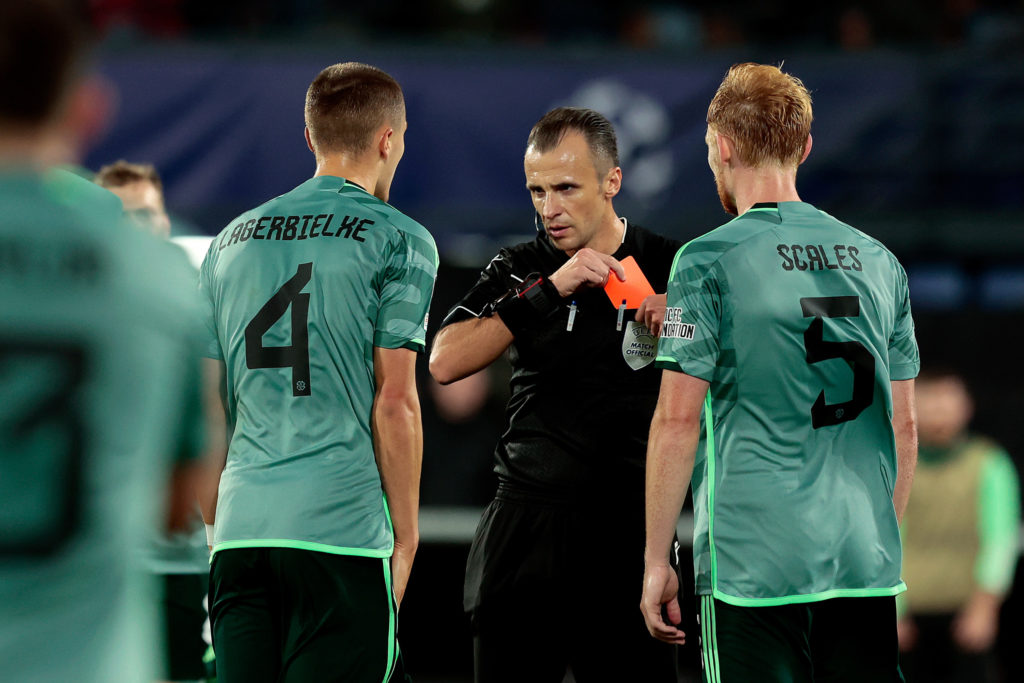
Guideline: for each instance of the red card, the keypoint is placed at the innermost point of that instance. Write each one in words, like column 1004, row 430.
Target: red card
column 634, row 290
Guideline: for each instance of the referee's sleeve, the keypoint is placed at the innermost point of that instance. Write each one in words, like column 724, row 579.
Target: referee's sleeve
column 495, row 279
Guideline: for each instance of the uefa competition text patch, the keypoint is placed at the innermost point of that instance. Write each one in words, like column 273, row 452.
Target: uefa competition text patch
column 674, row 327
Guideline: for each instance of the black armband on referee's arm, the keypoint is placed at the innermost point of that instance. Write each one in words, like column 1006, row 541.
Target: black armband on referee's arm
column 529, row 303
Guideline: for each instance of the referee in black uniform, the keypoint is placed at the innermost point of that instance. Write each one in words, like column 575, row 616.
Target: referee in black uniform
column 555, row 571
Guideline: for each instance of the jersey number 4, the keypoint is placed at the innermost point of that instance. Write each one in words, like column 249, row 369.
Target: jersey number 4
column 296, row 355
column 854, row 353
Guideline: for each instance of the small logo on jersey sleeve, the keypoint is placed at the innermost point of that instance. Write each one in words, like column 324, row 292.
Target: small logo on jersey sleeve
column 426, row 321
column 674, row 327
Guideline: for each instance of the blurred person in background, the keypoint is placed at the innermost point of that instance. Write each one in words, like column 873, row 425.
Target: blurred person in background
column 459, row 423
column 98, row 377
column 787, row 404
column 961, row 537
column 141, row 192
column 180, row 560
column 316, row 305
column 565, row 528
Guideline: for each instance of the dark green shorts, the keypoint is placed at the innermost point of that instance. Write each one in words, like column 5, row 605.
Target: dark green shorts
column 843, row 640
column 288, row 616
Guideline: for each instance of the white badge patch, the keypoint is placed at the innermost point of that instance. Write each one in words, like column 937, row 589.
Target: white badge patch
column 674, row 327
column 639, row 347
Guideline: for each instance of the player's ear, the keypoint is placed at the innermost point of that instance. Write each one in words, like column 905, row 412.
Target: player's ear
column 726, row 148
column 612, row 182
column 309, row 141
column 807, row 149
column 384, row 141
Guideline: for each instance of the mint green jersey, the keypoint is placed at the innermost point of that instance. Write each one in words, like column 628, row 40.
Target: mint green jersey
column 799, row 322
column 96, row 371
column 299, row 292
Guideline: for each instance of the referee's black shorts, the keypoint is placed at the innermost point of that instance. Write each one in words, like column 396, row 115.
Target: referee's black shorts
column 551, row 586
column 282, row 615
column 842, row 640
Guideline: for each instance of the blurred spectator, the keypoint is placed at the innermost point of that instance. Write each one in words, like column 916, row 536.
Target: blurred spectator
column 141, row 192
column 459, row 424
column 855, row 30
column 152, row 17
column 960, row 540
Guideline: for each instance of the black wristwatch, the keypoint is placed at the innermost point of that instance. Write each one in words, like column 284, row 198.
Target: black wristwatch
column 533, row 300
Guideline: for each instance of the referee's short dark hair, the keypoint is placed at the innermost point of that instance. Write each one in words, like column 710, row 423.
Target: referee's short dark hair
column 347, row 102
column 41, row 46
column 594, row 126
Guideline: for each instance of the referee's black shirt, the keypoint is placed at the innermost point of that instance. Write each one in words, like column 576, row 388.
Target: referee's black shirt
column 579, row 413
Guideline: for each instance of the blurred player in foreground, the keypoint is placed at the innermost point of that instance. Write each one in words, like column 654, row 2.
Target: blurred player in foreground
column 179, row 560
column 960, row 540
column 791, row 333
column 316, row 306
column 141, row 191
column 98, row 373
column 565, row 527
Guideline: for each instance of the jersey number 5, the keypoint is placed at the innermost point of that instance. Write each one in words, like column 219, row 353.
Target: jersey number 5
column 854, row 353
column 296, row 355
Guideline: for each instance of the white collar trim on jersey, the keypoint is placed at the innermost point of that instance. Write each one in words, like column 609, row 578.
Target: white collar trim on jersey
column 625, row 225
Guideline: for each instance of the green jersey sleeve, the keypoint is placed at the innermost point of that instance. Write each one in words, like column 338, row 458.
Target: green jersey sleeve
column 210, row 344
column 904, row 361
column 408, row 284
column 998, row 524
column 690, row 336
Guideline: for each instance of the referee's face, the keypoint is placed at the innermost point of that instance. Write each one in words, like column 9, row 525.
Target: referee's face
column 567, row 192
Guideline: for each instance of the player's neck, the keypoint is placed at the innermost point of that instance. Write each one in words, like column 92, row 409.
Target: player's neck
column 363, row 174
column 756, row 185
column 32, row 148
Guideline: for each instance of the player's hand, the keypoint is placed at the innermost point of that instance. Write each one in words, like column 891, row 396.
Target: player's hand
column 401, row 567
column 661, row 587
column 652, row 312
column 906, row 631
column 586, row 268
column 975, row 628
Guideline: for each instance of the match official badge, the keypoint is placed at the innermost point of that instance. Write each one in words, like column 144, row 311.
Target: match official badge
column 639, row 346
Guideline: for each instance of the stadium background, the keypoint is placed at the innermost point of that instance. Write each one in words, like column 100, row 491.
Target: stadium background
column 918, row 140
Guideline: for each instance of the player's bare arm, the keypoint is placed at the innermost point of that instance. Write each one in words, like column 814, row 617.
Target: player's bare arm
column 904, row 424
column 671, row 449
column 466, row 347
column 586, row 268
column 214, row 378
column 398, row 448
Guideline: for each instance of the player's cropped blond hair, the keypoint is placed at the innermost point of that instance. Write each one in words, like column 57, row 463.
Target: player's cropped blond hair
column 765, row 112
column 347, row 102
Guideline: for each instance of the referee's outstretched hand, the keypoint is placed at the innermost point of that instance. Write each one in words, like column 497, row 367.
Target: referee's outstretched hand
column 661, row 588
column 586, row 268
